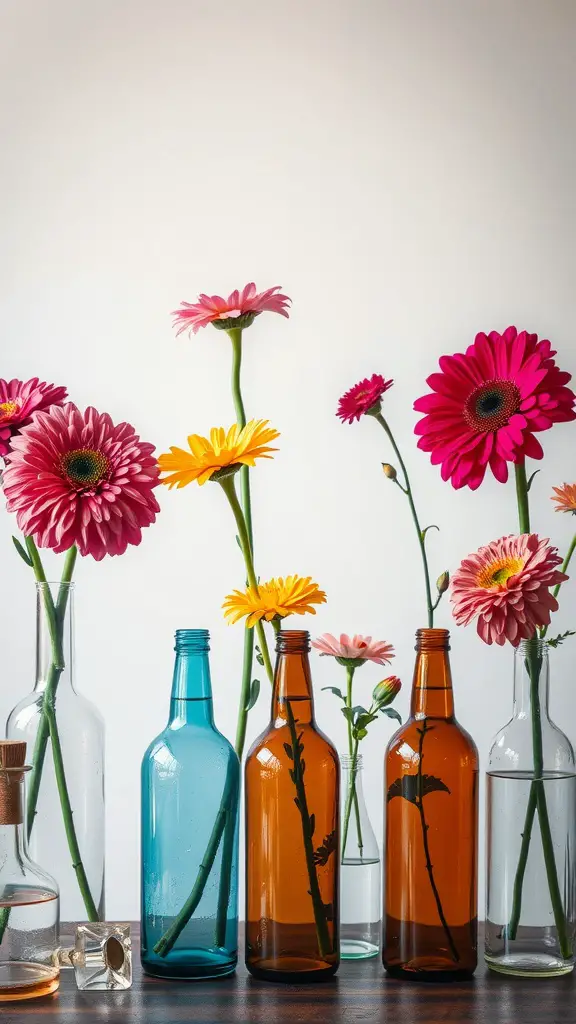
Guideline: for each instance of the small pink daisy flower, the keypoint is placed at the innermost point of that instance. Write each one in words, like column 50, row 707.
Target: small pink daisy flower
column 506, row 586
column 238, row 310
column 487, row 405
column 363, row 398
column 76, row 478
column 357, row 648
column 19, row 400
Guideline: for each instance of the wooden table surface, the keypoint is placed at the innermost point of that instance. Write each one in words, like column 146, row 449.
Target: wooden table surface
column 360, row 992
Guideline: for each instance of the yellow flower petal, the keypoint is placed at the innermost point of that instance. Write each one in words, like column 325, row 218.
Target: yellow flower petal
column 234, row 447
column 279, row 597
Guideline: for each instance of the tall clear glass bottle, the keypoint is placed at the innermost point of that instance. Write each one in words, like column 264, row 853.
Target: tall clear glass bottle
column 431, row 842
column 292, row 831
column 360, row 870
column 190, row 795
column 28, row 896
column 531, row 832
column 65, row 737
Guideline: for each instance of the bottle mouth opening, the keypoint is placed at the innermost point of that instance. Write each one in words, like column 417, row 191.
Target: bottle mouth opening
column 192, row 640
column 534, row 645
column 292, row 641
column 351, row 763
column 53, row 585
column 431, row 639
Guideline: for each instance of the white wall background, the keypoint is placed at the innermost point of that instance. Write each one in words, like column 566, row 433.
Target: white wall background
column 406, row 171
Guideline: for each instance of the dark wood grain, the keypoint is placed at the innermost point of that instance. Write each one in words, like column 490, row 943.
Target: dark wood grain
column 359, row 994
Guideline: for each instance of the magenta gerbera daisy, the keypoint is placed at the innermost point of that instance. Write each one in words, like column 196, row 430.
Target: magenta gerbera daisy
column 19, row 400
column 506, row 586
column 77, row 478
column 363, row 398
column 487, row 404
column 238, row 310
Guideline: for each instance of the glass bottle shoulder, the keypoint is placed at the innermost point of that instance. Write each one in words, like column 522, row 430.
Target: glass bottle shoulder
column 70, row 706
column 443, row 735
column 276, row 734
column 512, row 749
column 190, row 746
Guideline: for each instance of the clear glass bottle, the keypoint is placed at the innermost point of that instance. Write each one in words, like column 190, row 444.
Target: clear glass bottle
column 28, row 896
column 65, row 737
column 431, row 844
column 360, row 870
column 292, row 832
column 190, row 796
column 531, row 832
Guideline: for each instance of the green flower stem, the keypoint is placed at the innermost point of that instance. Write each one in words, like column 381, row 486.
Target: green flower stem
column 244, row 691
column 322, row 933
column 352, row 795
column 565, row 565
column 229, row 488
column 228, row 803
column 421, row 535
column 537, row 796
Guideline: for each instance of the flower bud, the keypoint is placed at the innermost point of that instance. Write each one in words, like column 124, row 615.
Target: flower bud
column 385, row 692
column 389, row 471
column 443, row 582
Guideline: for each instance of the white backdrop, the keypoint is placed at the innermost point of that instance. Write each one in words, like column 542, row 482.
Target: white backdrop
column 406, row 172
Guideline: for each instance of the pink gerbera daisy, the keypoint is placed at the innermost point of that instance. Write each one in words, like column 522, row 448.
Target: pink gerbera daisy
column 357, row 648
column 19, row 400
column 486, row 406
column 238, row 310
column 506, row 586
column 363, row 398
column 76, row 478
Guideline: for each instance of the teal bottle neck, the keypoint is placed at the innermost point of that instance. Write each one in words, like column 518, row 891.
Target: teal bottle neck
column 191, row 699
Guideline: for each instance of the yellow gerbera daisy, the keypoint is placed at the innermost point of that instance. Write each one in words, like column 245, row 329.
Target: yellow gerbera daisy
column 223, row 450
column 277, row 598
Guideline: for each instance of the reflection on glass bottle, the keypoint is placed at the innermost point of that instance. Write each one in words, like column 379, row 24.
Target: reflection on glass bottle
column 430, row 871
column 292, row 831
column 28, row 896
column 190, row 793
column 360, row 897
column 65, row 737
column 531, row 832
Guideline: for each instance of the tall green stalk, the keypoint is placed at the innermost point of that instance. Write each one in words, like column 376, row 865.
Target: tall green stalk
column 537, row 796
column 352, row 795
column 421, row 534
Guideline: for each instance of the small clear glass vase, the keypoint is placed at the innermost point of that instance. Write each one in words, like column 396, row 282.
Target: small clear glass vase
column 360, row 873
column 531, row 832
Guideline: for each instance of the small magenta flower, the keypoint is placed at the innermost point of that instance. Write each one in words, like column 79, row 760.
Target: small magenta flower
column 19, row 401
column 239, row 310
column 364, row 398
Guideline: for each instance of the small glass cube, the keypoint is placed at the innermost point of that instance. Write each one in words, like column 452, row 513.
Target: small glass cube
column 102, row 957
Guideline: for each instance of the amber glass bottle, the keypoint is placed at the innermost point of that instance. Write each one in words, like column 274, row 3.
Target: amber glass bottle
column 431, row 838
column 292, row 832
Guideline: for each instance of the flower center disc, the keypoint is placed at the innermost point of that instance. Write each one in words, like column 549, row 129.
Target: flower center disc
column 498, row 573
column 491, row 405
column 84, row 467
column 7, row 410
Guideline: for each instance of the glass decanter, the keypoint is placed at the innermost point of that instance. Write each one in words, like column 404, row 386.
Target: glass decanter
column 360, row 870
column 28, row 895
column 64, row 732
column 531, row 832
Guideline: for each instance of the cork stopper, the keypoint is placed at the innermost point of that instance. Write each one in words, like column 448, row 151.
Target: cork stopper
column 12, row 757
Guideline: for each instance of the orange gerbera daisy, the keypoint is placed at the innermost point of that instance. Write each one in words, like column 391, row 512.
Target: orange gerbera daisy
column 224, row 452
column 565, row 497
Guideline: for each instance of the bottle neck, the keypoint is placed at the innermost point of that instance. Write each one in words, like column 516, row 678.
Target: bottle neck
column 531, row 679
column 191, row 698
column 292, row 679
column 54, row 636
column 432, row 695
column 352, row 771
column 13, row 844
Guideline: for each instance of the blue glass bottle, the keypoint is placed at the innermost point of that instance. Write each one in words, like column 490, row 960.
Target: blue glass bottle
column 190, row 794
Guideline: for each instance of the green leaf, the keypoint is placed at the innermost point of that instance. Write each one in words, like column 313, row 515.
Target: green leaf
column 348, row 714
column 253, row 695
column 324, row 851
column 23, row 554
column 529, row 484
column 335, row 691
column 408, row 787
column 312, row 824
column 259, row 657
column 391, row 713
column 360, row 734
column 555, row 641
column 289, row 751
column 363, row 720
column 431, row 527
